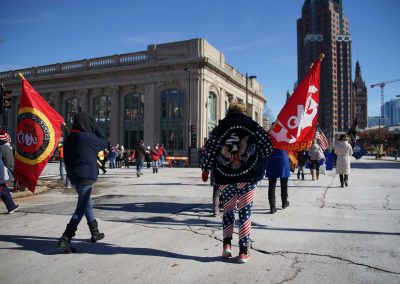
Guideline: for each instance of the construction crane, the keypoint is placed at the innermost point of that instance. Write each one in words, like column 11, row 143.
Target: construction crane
column 382, row 85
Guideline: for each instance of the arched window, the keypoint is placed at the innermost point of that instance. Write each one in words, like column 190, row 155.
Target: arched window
column 172, row 124
column 102, row 113
column 256, row 117
column 133, row 119
column 212, row 111
column 71, row 108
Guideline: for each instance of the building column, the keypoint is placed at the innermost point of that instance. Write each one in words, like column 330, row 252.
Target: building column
column 115, row 136
column 151, row 126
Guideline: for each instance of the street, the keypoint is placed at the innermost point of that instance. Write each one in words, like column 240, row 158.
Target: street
column 159, row 229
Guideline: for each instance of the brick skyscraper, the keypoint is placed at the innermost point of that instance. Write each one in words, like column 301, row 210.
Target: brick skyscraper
column 323, row 28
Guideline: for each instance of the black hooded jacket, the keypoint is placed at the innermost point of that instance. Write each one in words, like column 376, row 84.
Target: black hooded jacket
column 81, row 148
column 235, row 150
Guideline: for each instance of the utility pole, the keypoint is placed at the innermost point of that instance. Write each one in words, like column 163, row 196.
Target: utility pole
column 189, row 117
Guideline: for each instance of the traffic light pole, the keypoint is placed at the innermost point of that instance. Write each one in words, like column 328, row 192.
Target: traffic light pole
column 1, row 98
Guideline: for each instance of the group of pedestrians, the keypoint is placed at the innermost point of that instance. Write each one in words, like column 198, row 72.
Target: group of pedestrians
column 237, row 153
column 154, row 157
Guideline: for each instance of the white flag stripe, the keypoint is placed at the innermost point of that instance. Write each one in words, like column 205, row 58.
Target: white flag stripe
column 323, row 142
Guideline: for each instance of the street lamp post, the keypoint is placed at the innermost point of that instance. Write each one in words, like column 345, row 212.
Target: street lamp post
column 247, row 91
column 175, row 111
column 189, row 116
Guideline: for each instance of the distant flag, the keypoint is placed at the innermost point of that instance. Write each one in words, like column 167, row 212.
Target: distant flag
column 320, row 136
column 295, row 126
column 354, row 130
column 37, row 136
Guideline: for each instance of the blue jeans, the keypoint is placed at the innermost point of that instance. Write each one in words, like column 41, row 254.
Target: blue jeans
column 113, row 163
column 162, row 159
column 62, row 168
column 7, row 198
column 67, row 183
column 139, row 166
column 84, row 205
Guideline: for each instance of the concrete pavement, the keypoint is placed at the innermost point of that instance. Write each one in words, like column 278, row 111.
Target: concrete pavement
column 159, row 229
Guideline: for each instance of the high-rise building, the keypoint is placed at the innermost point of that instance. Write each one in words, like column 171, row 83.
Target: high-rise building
column 391, row 110
column 323, row 28
column 360, row 99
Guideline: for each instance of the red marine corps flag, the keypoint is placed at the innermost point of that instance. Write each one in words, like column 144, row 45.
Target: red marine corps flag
column 295, row 126
column 37, row 135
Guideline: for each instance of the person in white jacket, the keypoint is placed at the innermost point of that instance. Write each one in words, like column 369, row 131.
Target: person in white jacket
column 343, row 151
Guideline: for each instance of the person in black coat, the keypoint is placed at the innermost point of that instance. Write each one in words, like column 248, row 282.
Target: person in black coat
column 302, row 157
column 80, row 157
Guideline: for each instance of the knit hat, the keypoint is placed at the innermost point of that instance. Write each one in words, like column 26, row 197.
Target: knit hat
column 4, row 137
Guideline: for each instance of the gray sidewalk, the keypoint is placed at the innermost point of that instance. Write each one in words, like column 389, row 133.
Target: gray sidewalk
column 159, row 229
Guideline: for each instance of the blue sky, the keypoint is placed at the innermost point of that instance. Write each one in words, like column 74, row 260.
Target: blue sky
column 257, row 37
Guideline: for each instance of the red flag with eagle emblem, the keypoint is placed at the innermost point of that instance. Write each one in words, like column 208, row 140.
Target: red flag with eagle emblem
column 37, row 135
column 296, row 123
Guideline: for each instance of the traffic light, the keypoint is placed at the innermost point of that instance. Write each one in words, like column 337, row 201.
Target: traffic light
column 193, row 136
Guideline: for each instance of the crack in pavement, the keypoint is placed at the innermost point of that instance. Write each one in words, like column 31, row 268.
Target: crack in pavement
column 283, row 253
column 387, row 198
column 323, row 199
column 293, row 266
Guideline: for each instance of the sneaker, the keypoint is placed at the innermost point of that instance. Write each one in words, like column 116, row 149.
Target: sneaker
column 14, row 210
column 243, row 257
column 227, row 251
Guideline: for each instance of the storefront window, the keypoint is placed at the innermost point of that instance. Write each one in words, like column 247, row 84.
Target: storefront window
column 71, row 108
column 212, row 111
column 133, row 119
column 102, row 113
column 172, row 120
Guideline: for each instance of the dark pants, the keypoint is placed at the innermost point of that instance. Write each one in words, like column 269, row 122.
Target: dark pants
column 271, row 191
column 7, row 198
column 314, row 165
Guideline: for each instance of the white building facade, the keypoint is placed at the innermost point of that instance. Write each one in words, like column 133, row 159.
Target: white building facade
column 172, row 93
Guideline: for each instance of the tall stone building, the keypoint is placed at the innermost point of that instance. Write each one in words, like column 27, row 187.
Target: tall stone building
column 323, row 28
column 391, row 110
column 172, row 93
column 360, row 99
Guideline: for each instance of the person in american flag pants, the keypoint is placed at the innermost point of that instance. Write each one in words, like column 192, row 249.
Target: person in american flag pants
column 234, row 152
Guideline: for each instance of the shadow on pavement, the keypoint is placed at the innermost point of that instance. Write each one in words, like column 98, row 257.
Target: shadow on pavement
column 146, row 207
column 47, row 246
column 331, row 231
column 376, row 165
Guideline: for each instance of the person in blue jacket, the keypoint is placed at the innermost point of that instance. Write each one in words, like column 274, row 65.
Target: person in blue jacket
column 80, row 157
column 277, row 166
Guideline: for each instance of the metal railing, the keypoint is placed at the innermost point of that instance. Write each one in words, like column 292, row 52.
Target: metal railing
column 77, row 66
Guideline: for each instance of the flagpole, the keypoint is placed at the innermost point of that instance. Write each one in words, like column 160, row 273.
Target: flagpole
column 21, row 76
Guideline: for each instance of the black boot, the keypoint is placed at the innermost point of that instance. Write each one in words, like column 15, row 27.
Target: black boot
column 64, row 245
column 302, row 176
column 272, row 204
column 341, row 180
column 216, row 206
column 271, row 195
column 94, row 230
column 298, row 175
column 346, row 179
column 284, row 192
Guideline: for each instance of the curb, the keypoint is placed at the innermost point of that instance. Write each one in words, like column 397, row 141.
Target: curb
column 27, row 193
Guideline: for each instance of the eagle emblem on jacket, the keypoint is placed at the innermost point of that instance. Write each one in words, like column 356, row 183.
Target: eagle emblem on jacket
column 236, row 152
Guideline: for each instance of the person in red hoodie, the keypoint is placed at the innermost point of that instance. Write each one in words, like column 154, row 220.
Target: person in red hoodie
column 155, row 155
